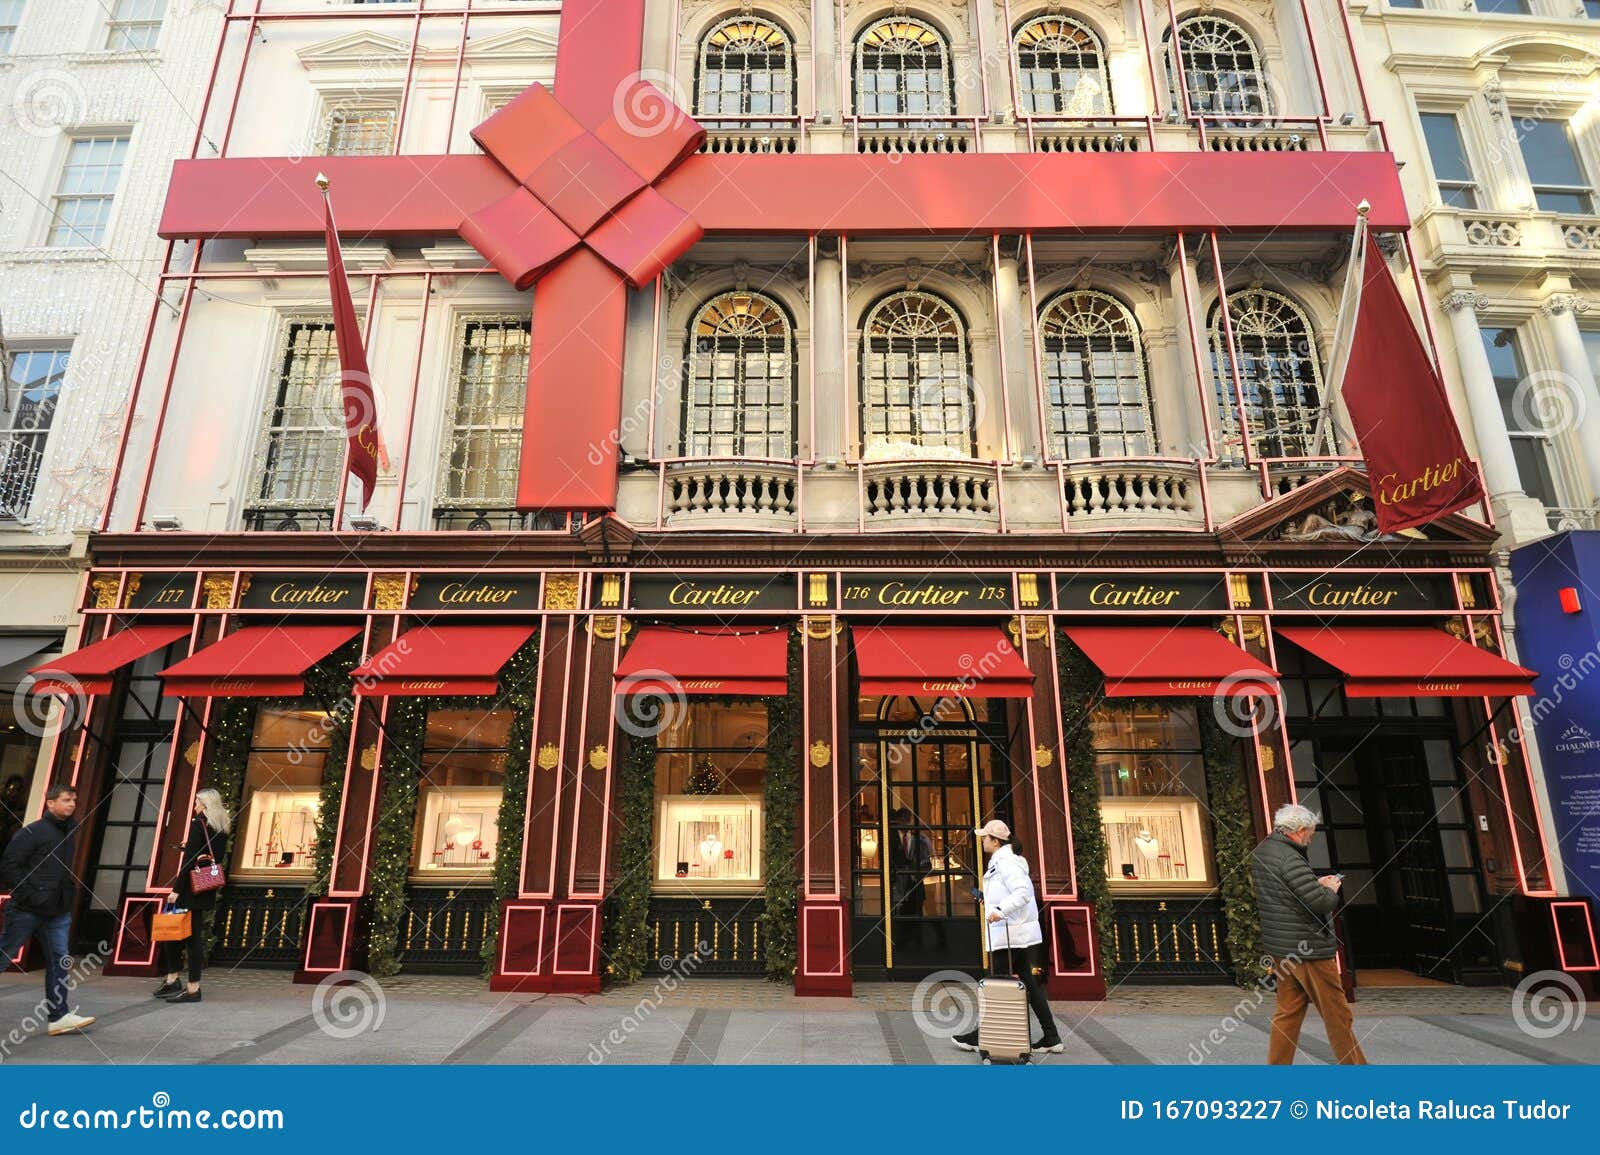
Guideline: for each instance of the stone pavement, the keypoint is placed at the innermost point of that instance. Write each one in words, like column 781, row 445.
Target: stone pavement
column 261, row 1017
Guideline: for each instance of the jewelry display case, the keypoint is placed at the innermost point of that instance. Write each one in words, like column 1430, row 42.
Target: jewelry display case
column 279, row 834
column 459, row 831
column 708, row 839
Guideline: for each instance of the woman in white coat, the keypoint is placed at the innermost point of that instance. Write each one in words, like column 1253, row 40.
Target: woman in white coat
column 1012, row 915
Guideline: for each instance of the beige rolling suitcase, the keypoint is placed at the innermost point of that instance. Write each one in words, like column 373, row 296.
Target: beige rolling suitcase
column 1003, row 1027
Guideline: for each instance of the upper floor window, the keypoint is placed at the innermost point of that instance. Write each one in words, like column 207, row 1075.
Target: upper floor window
column 1061, row 69
column 359, row 128
column 739, row 372
column 1506, row 7
column 902, row 69
column 1278, row 372
column 1222, row 72
column 10, row 17
column 490, row 385
column 89, row 180
column 1591, row 9
column 135, row 24
column 1559, row 183
column 1094, row 368
column 1532, row 448
column 301, row 448
column 1448, row 154
column 746, row 70
column 915, row 389
column 32, row 386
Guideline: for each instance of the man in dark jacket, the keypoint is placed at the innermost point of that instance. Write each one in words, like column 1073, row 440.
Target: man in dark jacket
column 1297, row 934
column 36, row 869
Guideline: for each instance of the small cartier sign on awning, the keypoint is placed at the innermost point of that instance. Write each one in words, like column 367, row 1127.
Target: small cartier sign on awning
column 1410, row 662
column 672, row 662
column 1171, row 662
column 942, row 661
column 442, row 660
column 255, row 662
column 89, row 670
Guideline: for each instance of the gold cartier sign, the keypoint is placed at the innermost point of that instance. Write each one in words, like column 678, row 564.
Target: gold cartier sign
column 713, row 592
column 1333, row 593
column 1392, row 490
column 476, row 592
column 304, row 591
column 952, row 592
column 1141, row 591
column 419, row 684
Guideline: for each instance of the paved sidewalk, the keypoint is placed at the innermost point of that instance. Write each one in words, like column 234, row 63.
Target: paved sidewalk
column 261, row 1017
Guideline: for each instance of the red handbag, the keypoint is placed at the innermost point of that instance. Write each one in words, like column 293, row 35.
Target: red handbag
column 206, row 875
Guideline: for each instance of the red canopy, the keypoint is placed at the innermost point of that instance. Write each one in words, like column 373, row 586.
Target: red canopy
column 89, row 670
column 1410, row 662
column 663, row 660
column 454, row 660
column 950, row 661
column 255, row 662
column 1171, row 662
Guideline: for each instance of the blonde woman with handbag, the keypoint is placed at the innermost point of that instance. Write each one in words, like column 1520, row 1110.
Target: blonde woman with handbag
column 196, row 887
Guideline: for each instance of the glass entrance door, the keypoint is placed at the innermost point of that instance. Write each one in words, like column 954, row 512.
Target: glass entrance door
column 926, row 773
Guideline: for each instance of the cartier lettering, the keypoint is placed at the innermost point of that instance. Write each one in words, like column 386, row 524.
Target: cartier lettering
column 1393, row 491
column 690, row 594
column 475, row 594
column 1109, row 594
column 291, row 594
column 1328, row 594
column 420, row 684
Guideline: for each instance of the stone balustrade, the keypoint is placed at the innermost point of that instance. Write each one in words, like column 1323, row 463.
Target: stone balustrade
column 731, row 495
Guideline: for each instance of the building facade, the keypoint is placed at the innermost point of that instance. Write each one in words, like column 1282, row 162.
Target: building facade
column 930, row 430
column 100, row 99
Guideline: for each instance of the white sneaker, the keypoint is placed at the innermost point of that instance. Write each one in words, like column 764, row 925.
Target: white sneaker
column 962, row 1046
column 70, row 1022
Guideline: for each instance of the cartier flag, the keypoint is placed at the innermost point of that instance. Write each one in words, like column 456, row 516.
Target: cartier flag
column 355, row 382
column 1418, row 465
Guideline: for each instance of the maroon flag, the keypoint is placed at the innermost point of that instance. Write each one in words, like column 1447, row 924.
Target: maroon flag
column 355, row 382
column 1419, row 467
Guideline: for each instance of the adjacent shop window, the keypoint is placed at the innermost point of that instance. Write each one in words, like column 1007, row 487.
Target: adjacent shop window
column 1448, row 154
column 359, row 128
column 32, row 386
column 902, row 69
column 10, row 18
column 1094, row 370
column 711, row 774
column 1559, row 183
column 1532, row 443
column 134, row 24
column 458, row 806
column 1152, row 789
column 481, row 455
column 916, row 391
column 277, row 823
column 89, row 179
column 1061, row 69
column 739, row 368
column 1279, row 374
column 746, row 72
column 1222, row 72
column 302, row 439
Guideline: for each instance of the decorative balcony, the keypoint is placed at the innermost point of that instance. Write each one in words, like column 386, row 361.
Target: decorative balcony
column 897, row 138
column 730, row 495
column 752, row 137
column 1132, row 495
column 1492, row 232
column 930, row 494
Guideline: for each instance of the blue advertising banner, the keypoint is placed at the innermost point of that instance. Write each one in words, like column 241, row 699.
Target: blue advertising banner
column 1565, row 648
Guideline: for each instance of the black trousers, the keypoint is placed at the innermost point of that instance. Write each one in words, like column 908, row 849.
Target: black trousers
column 194, row 946
column 1018, row 962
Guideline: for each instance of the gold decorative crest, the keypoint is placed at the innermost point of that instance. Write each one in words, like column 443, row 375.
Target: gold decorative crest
column 818, row 627
column 1034, row 627
column 598, row 758
column 219, row 591
column 1255, row 630
column 369, row 757
column 191, row 753
column 549, row 756
column 609, row 626
column 105, row 591
column 1269, row 758
column 1239, row 591
column 1043, row 756
column 389, row 592
column 1028, row 590
column 611, row 590
column 817, row 589
column 821, row 753
column 561, row 591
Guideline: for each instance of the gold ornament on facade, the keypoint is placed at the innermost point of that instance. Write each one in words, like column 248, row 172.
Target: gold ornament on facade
column 821, row 753
column 1239, row 591
column 1033, row 627
column 598, row 758
column 817, row 589
column 1269, row 758
column 1028, row 590
column 1467, row 591
column 389, row 592
column 105, row 591
column 818, row 627
column 191, row 753
column 611, row 590
column 369, row 757
column 1457, row 629
column 131, row 587
column 1255, row 630
column 549, row 756
column 561, row 591
column 1043, row 756
column 218, row 591
column 608, row 627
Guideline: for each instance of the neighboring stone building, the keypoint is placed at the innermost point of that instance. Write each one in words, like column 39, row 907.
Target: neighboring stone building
column 96, row 101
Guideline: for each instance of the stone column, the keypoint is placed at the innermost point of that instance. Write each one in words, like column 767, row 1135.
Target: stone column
column 825, row 59
column 828, row 353
column 1013, row 325
column 1582, row 407
column 1483, row 401
column 996, row 57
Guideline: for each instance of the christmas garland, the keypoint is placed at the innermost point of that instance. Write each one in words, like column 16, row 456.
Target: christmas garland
column 1080, row 694
column 518, row 682
column 627, row 922
column 1233, row 838
column 385, row 901
column 780, row 918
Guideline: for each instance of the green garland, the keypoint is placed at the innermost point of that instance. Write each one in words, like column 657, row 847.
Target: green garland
column 1080, row 693
column 627, row 923
column 780, row 918
column 391, row 856
column 1233, row 837
column 518, row 684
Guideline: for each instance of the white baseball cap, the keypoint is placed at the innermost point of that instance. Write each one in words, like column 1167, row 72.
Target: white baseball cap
column 994, row 828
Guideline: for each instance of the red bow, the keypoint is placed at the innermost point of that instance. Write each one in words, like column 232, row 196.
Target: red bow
column 582, row 187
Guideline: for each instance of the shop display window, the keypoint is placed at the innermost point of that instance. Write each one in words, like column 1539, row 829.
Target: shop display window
column 711, row 775
column 458, row 805
column 1152, row 783
column 282, row 784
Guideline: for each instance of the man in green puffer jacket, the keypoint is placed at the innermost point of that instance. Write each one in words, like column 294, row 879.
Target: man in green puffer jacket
column 1297, row 934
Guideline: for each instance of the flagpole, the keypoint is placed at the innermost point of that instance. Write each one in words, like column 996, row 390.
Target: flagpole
column 1344, row 328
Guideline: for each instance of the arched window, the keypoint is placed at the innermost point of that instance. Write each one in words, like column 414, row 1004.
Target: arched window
column 1096, row 391
column 746, row 70
column 1221, row 69
column 902, row 69
column 914, row 375
column 739, row 399
column 1278, row 370
column 1061, row 70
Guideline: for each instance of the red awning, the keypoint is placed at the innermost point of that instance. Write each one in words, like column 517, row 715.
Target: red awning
column 1410, row 662
column 453, row 660
column 89, row 670
column 663, row 660
column 948, row 661
column 255, row 662
column 1172, row 662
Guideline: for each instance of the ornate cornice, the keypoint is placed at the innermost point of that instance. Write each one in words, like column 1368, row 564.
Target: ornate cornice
column 1465, row 299
column 1559, row 303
